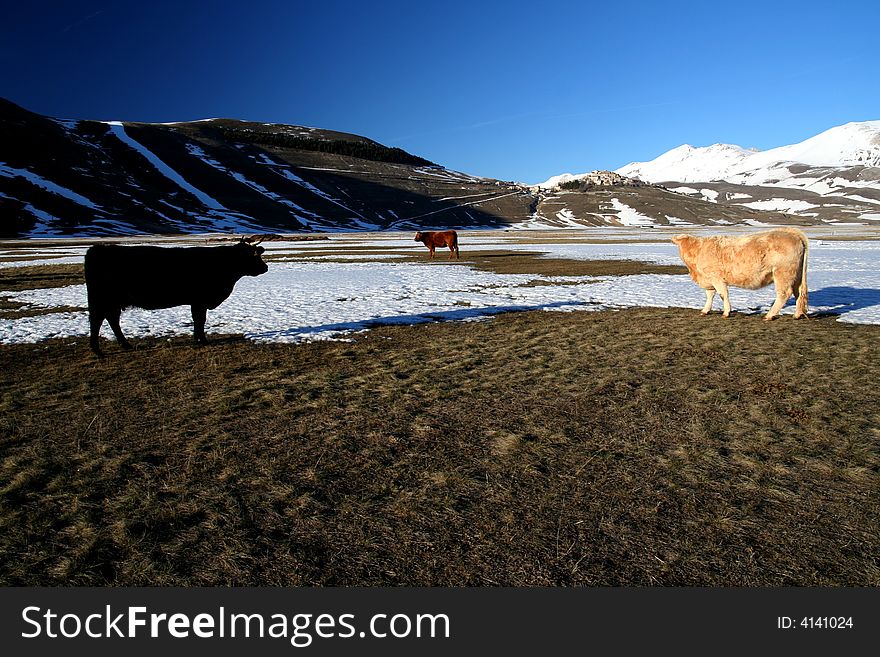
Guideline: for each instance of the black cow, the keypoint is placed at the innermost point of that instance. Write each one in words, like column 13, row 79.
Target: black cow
column 119, row 277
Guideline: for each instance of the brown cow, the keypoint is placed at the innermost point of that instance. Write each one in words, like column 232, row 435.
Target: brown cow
column 433, row 239
column 752, row 262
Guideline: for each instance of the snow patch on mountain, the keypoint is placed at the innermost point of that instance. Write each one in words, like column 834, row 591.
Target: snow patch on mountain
column 119, row 130
column 12, row 172
column 303, row 216
column 781, row 205
column 627, row 216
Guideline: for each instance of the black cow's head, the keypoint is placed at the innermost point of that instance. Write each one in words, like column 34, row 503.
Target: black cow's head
column 247, row 256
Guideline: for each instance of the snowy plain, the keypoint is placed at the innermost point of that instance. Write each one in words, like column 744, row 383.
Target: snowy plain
column 308, row 298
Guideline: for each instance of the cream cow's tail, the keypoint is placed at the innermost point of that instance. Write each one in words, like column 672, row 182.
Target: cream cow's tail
column 801, row 307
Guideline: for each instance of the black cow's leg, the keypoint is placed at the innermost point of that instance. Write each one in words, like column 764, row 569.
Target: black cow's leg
column 199, row 316
column 113, row 321
column 95, row 320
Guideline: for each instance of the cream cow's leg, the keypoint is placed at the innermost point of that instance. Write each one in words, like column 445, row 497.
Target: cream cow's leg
column 710, row 297
column 782, row 283
column 721, row 288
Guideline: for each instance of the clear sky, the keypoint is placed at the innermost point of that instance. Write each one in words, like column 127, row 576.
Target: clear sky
column 511, row 90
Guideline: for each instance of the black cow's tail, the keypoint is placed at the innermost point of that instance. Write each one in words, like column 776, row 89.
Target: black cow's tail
column 95, row 267
column 90, row 267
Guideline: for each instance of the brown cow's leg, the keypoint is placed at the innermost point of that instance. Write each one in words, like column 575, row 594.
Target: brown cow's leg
column 199, row 316
column 113, row 321
column 432, row 252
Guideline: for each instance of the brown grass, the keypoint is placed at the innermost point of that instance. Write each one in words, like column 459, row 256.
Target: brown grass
column 617, row 448
column 15, row 279
column 24, row 256
column 568, row 239
column 7, row 304
column 499, row 261
column 15, row 310
column 518, row 262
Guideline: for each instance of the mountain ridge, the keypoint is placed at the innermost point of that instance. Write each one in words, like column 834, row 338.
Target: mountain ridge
column 84, row 178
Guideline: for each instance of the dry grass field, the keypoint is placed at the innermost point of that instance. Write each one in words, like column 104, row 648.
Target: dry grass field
column 640, row 447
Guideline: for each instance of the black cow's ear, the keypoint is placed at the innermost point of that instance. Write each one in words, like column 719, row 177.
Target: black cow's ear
column 260, row 250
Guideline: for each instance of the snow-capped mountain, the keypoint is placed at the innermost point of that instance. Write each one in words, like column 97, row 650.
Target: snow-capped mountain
column 689, row 164
column 853, row 144
column 834, row 176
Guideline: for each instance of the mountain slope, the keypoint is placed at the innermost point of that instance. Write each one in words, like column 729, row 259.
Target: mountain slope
column 832, row 177
column 644, row 206
column 95, row 178
column 105, row 178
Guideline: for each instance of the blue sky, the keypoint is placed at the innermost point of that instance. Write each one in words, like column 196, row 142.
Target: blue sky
column 510, row 90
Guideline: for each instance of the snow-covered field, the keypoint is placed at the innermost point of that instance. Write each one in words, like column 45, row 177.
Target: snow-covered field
column 315, row 299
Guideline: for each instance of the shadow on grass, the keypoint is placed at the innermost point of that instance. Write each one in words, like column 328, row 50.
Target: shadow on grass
column 457, row 315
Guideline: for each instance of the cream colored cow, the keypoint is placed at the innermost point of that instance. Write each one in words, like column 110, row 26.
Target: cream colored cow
column 754, row 261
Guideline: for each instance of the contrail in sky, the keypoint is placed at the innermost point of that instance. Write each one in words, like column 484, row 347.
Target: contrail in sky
column 82, row 20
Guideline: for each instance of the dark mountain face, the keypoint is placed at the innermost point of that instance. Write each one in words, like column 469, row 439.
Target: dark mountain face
column 87, row 177
column 91, row 178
